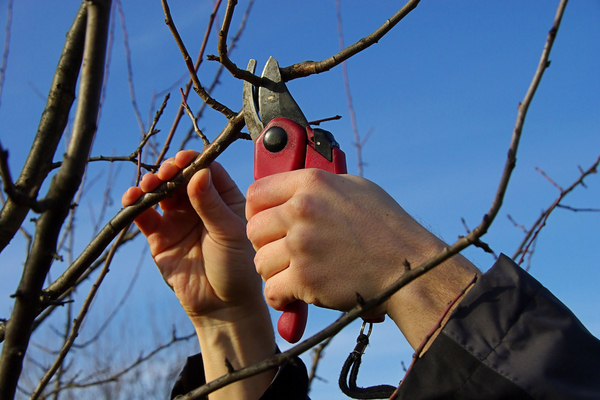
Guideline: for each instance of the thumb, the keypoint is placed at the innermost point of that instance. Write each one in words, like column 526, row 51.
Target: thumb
column 220, row 221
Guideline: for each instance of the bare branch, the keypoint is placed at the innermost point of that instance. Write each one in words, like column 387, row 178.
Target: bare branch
column 136, row 109
column 188, row 86
column 189, row 112
column 540, row 223
column 78, row 321
column 223, row 52
column 52, row 124
column 63, row 188
column 523, row 107
column 191, row 69
column 357, row 140
column 307, row 68
column 7, row 31
column 217, row 76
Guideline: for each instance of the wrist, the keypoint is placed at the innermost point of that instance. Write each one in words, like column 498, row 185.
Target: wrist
column 417, row 308
column 237, row 338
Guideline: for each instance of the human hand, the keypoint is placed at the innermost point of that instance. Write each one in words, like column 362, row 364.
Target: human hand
column 322, row 238
column 199, row 242
column 200, row 246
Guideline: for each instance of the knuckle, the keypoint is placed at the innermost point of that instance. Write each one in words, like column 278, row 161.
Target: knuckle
column 300, row 242
column 272, row 296
column 253, row 230
column 253, row 193
column 303, row 206
column 259, row 264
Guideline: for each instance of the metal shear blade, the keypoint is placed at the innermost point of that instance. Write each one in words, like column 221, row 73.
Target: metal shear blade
column 273, row 100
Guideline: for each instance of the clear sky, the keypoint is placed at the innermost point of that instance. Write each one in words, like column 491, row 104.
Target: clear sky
column 440, row 93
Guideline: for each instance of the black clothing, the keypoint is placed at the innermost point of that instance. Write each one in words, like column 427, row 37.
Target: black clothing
column 509, row 338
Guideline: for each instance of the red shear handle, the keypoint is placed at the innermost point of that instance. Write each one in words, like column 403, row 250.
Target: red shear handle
column 292, row 147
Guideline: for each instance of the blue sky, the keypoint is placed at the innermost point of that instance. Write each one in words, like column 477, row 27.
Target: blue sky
column 440, row 93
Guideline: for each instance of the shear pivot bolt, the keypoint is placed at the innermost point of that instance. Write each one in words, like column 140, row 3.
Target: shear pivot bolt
column 275, row 139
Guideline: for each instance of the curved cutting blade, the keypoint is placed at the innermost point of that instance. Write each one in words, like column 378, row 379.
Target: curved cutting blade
column 253, row 122
column 274, row 99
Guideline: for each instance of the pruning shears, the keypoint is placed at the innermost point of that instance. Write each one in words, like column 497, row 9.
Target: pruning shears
column 284, row 141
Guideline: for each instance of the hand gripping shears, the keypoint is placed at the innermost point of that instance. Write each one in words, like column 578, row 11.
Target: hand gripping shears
column 285, row 142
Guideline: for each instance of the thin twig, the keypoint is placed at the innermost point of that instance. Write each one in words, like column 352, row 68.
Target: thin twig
column 556, row 185
column 574, row 209
column 534, row 231
column 119, row 305
column 316, row 358
column 320, row 121
column 232, row 46
column 7, row 31
column 307, row 68
column 130, row 158
column 223, row 52
column 78, row 321
column 357, row 140
column 189, row 112
column 136, row 109
column 191, row 69
column 152, row 131
column 189, row 84
column 49, row 132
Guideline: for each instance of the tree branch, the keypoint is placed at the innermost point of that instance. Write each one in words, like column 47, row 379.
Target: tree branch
column 7, row 31
column 223, row 52
column 532, row 234
column 188, row 86
column 52, row 124
column 78, row 321
column 215, row 81
column 307, row 68
column 63, row 188
column 357, row 140
column 191, row 69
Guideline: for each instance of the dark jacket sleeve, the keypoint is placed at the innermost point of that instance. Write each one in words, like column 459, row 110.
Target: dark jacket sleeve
column 291, row 381
column 509, row 338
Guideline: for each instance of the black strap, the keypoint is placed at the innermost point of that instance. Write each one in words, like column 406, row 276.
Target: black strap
column 351, row 366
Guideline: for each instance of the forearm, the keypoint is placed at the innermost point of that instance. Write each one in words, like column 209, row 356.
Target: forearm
column 418, row 307
column 239, row 339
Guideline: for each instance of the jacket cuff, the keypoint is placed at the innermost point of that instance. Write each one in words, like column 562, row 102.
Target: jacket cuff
column 290, row 382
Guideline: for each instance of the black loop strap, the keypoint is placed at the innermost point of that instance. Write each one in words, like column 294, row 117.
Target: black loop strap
column 351, row 366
